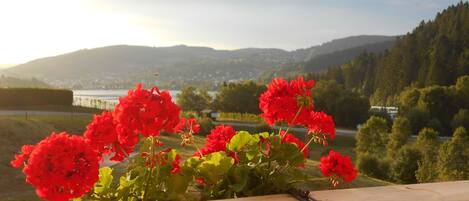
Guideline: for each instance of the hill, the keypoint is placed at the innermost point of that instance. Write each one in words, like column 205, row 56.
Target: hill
column 122, row 66
column 324, row 61
column 13, row 82
column 434, row 53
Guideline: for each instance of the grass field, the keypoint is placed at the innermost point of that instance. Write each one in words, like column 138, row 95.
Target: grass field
column 16, row 131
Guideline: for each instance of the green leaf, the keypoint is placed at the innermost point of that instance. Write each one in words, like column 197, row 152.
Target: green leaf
column 239, row 178
column 215, row 166
column 104, row 182
column 240, row 140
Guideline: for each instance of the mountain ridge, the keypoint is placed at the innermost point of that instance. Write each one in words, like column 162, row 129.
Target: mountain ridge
column 120, row 66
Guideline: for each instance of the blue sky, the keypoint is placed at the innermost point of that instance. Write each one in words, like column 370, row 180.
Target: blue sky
column 33, row 29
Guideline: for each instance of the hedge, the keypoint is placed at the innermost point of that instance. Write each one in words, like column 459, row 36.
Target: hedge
column 14, row 97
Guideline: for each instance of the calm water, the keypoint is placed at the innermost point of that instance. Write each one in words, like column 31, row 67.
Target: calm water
column 113, row 94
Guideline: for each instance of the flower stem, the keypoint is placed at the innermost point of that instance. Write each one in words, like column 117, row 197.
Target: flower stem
column 307, row 144
column 294, row 119
column 152, row 156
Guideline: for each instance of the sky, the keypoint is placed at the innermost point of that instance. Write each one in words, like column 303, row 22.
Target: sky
column 31, row 29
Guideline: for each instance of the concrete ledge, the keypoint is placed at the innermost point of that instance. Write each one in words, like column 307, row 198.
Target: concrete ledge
column 444, row 191
column 278, row 197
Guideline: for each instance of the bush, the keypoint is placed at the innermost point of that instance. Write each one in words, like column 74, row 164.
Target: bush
column 372, row 166
column 372, row 137
column 17, row 97
column 405, row 165
column 206, row 124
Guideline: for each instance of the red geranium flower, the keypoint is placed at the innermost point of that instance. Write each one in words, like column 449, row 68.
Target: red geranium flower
column 62, row 167
column 187, row 125
column 217, row 140
column 290, row 138
column 147, row 111
column 282, row 101
column 104, row 137
column 337, row 166
column 321, row 126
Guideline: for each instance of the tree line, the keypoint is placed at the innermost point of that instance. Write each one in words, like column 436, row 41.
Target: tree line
column 435, row 53
column 347, row 107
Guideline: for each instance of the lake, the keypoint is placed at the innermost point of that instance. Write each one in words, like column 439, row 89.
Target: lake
column 108, row 98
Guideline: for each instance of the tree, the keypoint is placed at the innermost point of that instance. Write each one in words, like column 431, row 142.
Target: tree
column 239, row 97
column 427, row 143
column 453, row 157
column 408, row 99
column 405, row 165
column 461, row 119
column 351, row 110
column 348, row 108
column 372, row 137
column 440, row 103
column 462, row 88
column 400, row 132
column 192, row 99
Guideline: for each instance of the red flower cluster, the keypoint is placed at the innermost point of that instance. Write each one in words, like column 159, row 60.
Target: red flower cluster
column 188, row 125
column 61, row 167
column 282, row 100
column 147, row 111
column 20, row 159
column 105, row 138
column 217, row 140
column 290, row 138
column 321, row 126
column 292, row 101
column 337, row 166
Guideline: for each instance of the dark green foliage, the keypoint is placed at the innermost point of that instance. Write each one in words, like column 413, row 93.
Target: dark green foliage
column 348, row 109
column 372, row 137
column 373, row 166
column 206, row 125
column 453, row 157
column 434, row 53
column 400, row 133
column 193, row 99
column 439, row 102
column 427, row 143
column 239, row 97
column 418, row 119
column 461, row 119
column 405, row 165
column 14, row 97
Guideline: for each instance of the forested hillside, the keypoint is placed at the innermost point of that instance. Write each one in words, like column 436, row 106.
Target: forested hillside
column 435, row 53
